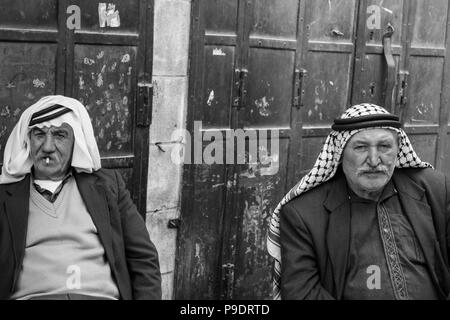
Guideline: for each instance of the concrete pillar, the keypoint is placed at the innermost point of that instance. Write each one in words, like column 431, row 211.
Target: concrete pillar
column 170, row 80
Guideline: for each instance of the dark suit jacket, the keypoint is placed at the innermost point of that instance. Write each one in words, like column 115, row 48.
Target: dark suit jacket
column 315, row 233
column 131, row 255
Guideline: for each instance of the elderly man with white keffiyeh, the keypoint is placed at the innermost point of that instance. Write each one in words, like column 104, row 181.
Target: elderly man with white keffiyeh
column 369, row 221
column 68, row 228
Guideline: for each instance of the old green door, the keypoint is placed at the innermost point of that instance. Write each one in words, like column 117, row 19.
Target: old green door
column 92, row 51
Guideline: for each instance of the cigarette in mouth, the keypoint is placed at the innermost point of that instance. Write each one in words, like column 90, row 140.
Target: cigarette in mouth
column 47, row 160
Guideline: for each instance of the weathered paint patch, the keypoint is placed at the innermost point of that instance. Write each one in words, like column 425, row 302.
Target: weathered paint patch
column 218, row 52
column 108, row 16
column 263, row 106
column 210, row 98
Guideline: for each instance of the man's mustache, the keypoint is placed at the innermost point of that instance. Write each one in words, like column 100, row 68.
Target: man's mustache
column 374, row 170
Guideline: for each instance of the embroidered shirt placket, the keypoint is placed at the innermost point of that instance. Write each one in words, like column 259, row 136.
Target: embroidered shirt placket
column 391, row 252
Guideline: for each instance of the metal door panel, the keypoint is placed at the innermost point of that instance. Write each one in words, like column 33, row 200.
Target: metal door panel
column 424, row 90
column 326, row 87
column 26, row 14
column 269, row 104
column 220, row 16
column 275, row 19
column 331, row 20
column 429, row 24
column 217, row 86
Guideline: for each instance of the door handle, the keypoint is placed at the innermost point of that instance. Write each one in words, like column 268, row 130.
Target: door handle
column 390, row 61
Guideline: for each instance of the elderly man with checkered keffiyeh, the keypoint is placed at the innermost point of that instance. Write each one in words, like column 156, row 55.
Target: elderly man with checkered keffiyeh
column 369, row 221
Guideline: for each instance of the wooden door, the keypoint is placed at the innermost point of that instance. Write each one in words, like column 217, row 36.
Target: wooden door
column 106, row 64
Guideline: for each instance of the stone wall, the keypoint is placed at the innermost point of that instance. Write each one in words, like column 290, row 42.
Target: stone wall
column 170, row 80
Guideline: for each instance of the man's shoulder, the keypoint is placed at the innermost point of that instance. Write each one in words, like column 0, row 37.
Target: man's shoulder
column 108, row 177
column 423, row 176
column 312, row 199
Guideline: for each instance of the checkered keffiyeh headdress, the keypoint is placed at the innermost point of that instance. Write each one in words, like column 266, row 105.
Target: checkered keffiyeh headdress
column 351, row 122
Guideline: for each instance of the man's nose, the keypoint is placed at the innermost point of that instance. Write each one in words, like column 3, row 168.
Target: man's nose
column 373, row 158
column 49, row 144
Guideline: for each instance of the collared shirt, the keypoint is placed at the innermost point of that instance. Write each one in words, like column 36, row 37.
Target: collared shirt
column 386, row 260
column 48, row 194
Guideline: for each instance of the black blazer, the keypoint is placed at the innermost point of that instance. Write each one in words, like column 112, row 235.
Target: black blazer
column 131, row 255
column 315, row 233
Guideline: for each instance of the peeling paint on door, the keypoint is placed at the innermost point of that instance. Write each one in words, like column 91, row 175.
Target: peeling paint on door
column 210, row 98
column 263, row 106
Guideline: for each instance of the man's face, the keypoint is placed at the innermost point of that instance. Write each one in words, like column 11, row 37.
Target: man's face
column 369, row 161
column 51, row 151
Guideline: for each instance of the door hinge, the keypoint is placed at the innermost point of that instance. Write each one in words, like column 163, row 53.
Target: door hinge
column 228, row 281
column 402, row 98
column 240, row 88
column 299, row 91
column 144, row 110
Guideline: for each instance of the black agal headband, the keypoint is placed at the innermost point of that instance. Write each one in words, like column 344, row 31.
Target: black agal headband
column 367, row 121
column 49, row 113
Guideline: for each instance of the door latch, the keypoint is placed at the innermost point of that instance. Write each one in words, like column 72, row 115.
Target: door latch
column 144, row 112
column 240, row 88
column 402, row 95
column 402, row 98
column 228, row 281
column 299, row 91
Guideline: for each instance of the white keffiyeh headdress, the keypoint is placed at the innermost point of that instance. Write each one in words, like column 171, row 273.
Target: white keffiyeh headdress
column 353, row 120
column 50, row 111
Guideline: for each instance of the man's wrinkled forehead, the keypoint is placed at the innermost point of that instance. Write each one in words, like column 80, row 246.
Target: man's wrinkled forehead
column 65, row 127
column 381, row 133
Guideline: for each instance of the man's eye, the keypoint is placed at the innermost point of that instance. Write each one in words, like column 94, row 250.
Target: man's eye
column 38, row 134
column 385, row 147
column 60, row 135
column 360, row 148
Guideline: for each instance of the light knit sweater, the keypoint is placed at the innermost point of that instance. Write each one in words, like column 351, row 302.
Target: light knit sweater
column 63, row 252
